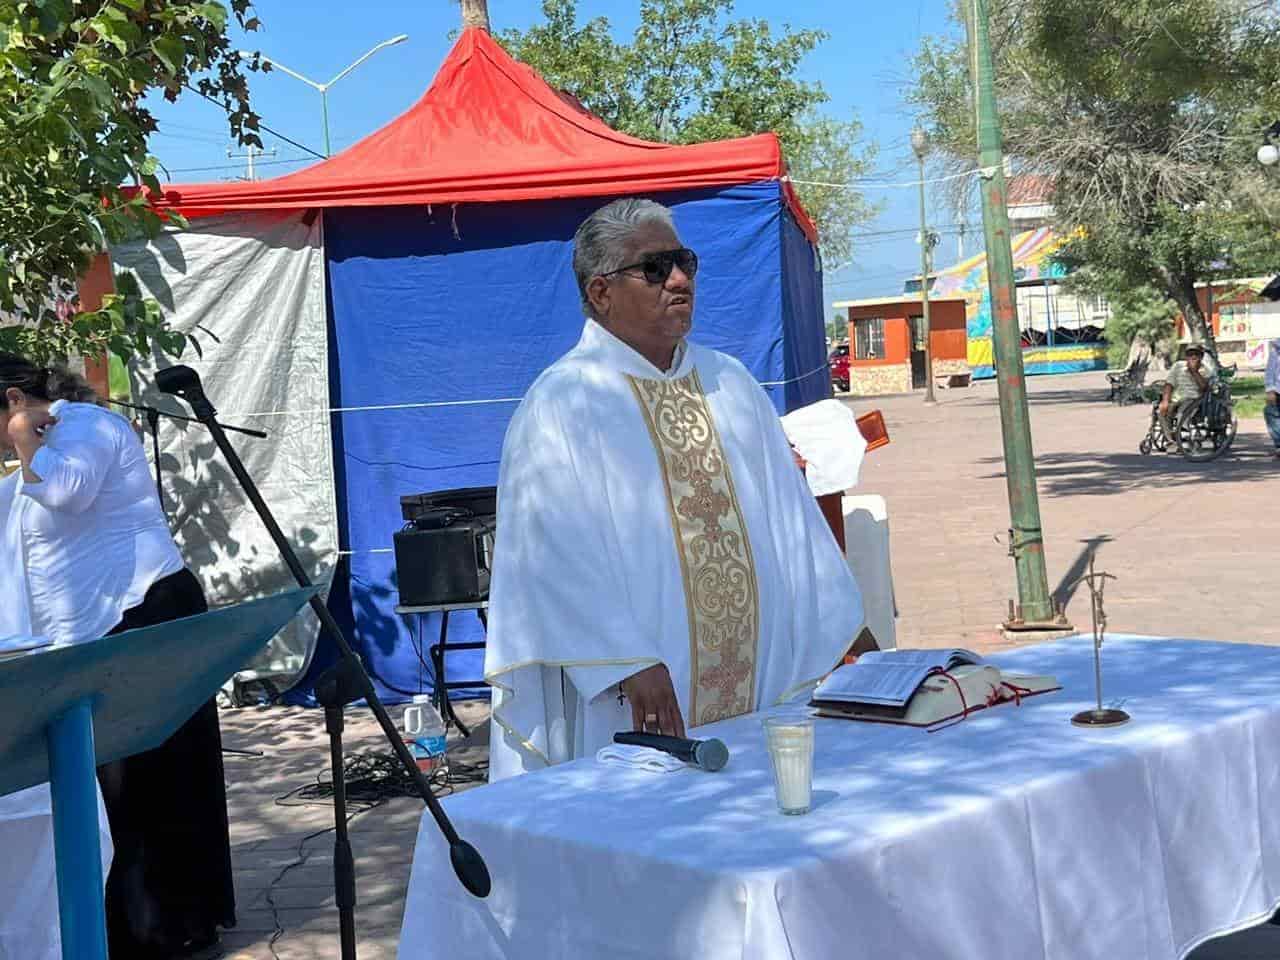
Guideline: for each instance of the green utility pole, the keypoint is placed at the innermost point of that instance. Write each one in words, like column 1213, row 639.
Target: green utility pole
column 1026, row 542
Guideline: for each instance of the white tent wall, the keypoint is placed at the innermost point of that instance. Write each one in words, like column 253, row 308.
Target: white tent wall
column 251, row 288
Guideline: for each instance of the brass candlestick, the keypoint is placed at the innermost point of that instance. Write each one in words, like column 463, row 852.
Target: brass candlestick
column 1098, row 717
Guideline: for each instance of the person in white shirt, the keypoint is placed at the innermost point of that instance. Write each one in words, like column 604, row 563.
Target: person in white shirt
column 88, row 535
column 29, row 927
column 1271, row 383
column 660, row 562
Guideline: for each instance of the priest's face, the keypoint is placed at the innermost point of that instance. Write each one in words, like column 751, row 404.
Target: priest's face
column 651, row 316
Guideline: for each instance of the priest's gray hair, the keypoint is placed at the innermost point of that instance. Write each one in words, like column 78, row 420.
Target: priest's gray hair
column 603, row 243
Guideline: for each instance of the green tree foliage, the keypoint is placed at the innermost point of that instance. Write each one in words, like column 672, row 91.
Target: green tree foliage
column 74, row 166
column 1140, row 313
column 1145, row 114
column 689, row 74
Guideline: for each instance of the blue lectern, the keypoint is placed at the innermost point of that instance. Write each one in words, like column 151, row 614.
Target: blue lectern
column 64, row 710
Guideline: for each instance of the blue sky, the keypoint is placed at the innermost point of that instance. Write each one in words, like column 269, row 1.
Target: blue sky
column 863, row 66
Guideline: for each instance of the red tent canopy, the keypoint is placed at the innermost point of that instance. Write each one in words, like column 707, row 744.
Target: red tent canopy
column 491, row 129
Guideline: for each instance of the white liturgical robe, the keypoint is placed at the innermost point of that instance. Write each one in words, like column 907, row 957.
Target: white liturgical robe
column 652, row 517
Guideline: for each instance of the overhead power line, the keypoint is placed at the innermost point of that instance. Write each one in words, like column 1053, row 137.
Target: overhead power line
column 261, row 126
column 884, row 185
column 236, row 166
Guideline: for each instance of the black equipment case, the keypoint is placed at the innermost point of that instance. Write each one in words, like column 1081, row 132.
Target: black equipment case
column 443, row 553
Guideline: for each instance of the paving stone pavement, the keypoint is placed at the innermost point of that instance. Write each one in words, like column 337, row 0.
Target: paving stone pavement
column 1194, row 548
column 283, row 870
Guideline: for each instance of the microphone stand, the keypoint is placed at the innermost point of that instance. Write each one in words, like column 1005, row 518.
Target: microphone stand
column 153, row 416
column 343, row 683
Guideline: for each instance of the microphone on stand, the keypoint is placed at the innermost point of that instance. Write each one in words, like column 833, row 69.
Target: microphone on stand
column 153, row 417
column 343, row 683
column 710, row 755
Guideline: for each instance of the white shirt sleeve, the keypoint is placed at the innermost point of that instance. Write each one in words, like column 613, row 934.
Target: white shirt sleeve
column 73, row 463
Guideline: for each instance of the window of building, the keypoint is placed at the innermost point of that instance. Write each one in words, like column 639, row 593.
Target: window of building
column 869, row 338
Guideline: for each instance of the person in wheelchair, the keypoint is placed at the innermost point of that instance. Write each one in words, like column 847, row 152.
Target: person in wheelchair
column 1186, row 383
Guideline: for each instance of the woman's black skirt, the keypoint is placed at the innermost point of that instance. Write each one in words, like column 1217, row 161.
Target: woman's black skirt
column 170, row 883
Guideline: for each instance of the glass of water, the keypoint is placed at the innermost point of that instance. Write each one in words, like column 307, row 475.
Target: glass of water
column 790, row 742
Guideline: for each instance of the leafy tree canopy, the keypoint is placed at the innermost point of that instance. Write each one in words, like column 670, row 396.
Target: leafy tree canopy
column 691, row 73
column 74, row 75
column 1145, row 115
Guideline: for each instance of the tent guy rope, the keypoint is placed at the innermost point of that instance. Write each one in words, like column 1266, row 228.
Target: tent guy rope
column 426, row 405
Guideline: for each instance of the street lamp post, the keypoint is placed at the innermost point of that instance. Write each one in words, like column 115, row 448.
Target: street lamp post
column 323, row 88
column 920, row 144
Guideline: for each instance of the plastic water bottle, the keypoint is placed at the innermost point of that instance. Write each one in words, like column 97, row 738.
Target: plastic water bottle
column 432, row 738
column 425, row 733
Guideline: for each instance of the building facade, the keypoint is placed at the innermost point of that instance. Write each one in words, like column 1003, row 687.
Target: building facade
column 886, row 343
column 1242, row 320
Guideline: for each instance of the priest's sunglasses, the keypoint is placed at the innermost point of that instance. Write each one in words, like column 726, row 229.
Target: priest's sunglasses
column 656, row 267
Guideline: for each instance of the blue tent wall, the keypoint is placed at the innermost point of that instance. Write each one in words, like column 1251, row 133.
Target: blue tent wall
column 453, row 307
column 808, row 378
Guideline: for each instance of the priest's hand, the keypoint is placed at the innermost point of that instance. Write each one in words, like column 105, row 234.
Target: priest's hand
column 654, row 708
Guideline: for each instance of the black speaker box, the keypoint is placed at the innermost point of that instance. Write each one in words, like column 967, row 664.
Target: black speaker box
column 443, row 565
column 443, row 553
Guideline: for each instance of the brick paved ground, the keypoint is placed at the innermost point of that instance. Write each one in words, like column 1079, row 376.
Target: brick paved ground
column 284, row 881
column 1194, row 545
column 943, row 481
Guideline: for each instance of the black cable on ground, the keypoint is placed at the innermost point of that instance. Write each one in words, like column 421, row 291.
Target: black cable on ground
column 371, row 780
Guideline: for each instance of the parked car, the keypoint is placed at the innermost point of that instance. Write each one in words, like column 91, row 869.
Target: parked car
column 839, row 363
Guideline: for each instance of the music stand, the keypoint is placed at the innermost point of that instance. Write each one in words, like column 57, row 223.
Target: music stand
column 68, row 709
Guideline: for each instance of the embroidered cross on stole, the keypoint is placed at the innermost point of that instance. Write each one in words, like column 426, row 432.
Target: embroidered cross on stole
column 721, row 593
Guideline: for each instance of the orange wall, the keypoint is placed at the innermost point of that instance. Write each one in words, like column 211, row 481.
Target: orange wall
column 96, row 283
column 947, row 339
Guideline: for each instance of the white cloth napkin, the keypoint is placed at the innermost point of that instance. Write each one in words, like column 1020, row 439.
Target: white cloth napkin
column 826, row 434
column 640, row 758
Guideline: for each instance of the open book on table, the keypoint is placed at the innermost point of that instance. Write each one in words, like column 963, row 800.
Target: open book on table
column 921, row 688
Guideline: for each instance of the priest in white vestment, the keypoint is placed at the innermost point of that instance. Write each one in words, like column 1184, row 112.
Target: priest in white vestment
column 660, row 562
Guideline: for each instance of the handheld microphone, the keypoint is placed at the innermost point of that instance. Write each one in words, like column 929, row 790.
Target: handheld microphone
column 710, row 755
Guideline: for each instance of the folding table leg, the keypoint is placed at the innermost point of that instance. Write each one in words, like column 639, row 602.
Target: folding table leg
column 440, row 693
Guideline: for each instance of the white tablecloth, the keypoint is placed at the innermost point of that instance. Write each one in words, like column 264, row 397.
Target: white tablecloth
column 28, row 881
column 1011, row 835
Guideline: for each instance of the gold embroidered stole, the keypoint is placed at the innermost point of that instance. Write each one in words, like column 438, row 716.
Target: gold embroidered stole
column 721, row 593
